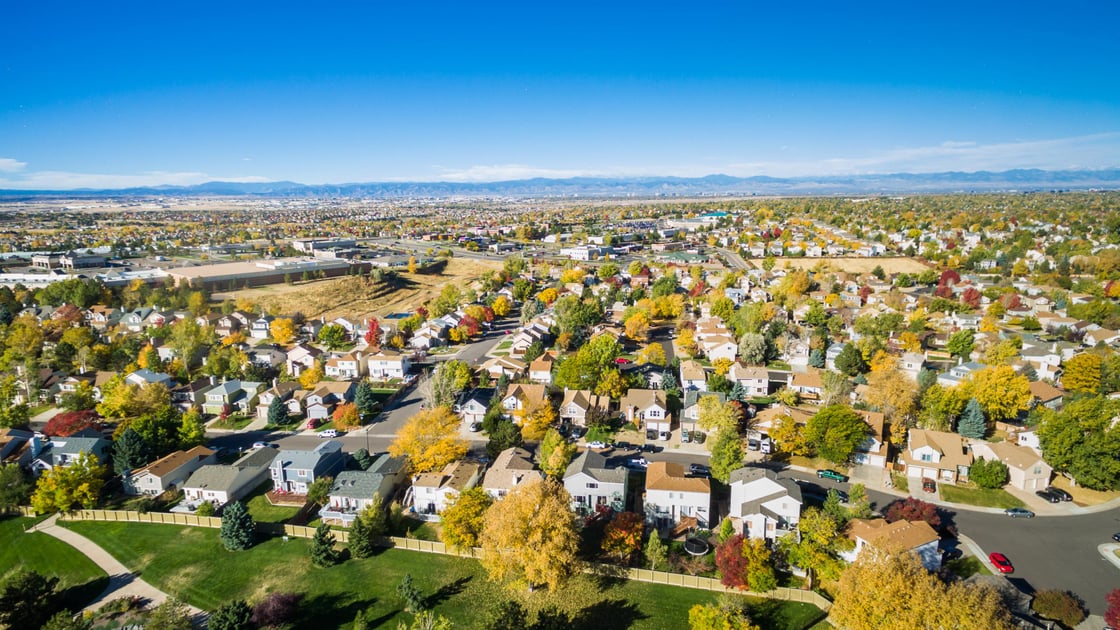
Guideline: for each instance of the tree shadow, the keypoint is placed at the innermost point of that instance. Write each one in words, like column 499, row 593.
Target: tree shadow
column 78, row 596
column 447, row 591
column 607, row 576
column 329, row 610
column 610, row 614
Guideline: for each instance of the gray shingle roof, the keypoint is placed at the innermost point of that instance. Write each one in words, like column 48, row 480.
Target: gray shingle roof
column 594, row 464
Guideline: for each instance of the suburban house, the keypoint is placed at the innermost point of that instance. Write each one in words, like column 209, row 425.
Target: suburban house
column 320, row 403
column 540, row 369
column 936, row 455
column 167, row 472
column 513, row 467
column 808, row 385
column 522, row 397
column 873, row 451
column 755, row 379
column 472, row 406
column 193, row 394
column 267, row 357
column 1025, row 468
column 346, row 367
column 719, row 347
column 62, row 451
column 387, row 364
column 355, row 490
column 762, row 505
column 580, row 404
column 433, row 492
column 302, row 357
column 690, row 410
column 260, row 328
column 220, row 484
column 592, row 485
column 234, row 396
column 911, row 363
column 693, row 376
column 145, row 376
column 647, row 408
column 286, row 393
column 504, row 366
column 672, row 496
column 1046, row 395
column 916, row 537
column 293, row 471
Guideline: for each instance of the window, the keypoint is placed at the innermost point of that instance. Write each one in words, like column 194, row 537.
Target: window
column 926, row 457
column 592, row 485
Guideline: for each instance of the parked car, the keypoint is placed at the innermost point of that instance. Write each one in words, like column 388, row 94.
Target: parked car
column 664, row 437
column 950, row 554
column 637, row 463
column 265, row 445
column 753, row 444
column 1001, row 563
column 650, row 448
column 929, row 485
column 597, row 445
column 699, row 469
column 1045, row 495
column 476, row 427
column 1061, row 494
column 828, row 473
column 578, row 432
column 685, row 437
column 1116, row 536
column 329, row 433
column 1017, row 512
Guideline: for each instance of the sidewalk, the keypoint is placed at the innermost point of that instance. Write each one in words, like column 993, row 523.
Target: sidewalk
column 122, row 583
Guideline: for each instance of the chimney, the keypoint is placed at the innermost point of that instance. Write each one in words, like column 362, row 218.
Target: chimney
column 275, row 382
column 213, row 381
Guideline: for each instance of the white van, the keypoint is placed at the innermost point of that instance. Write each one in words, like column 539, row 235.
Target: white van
column 329, row 433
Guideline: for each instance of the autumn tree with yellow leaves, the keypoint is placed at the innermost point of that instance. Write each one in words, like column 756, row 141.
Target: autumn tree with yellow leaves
column 1001, row 392
column 283, row 330
column 530, row 537
column 430, row 440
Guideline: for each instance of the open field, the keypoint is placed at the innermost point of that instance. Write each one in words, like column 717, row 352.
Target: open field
column 352, row 297
column 192, row 564
column 849, row 264
column 998, row 498
column 79, row 579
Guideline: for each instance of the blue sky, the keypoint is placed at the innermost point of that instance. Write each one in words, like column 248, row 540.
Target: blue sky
column 121, row 94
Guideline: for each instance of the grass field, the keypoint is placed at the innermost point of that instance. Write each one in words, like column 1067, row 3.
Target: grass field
column 353, row 297
column 1082, row 495
column 264, row 512
column 80, row 580
column 192, row 564
column 997, row 498
column 890, row 265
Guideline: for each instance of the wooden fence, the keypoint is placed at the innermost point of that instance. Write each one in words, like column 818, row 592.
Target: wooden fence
column 428, row 546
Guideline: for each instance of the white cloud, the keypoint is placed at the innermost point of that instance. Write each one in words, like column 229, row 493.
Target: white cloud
column 63, row 180
column 8, row 165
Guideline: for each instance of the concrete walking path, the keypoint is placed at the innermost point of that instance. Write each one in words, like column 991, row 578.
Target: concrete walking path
column 122, row 582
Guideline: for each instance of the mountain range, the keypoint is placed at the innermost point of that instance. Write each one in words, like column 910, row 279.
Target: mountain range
column 1021, row 180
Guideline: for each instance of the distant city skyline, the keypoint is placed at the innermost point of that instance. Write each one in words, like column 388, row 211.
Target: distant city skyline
column 135, row 94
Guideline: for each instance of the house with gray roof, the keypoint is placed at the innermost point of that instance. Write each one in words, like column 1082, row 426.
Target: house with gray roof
column 762, row 505
column 240, row 396
column 513, row 467
column 145, row 376
column 591, row 484
column 355, row 490
column 220, row 484
column 293, row 471
column 63, row 451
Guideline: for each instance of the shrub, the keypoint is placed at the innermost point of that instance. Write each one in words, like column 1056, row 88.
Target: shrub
column 206, row 509
column 276, row 609
column 1061, row 606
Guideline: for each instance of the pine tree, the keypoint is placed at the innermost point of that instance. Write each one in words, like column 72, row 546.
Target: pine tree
column 238, row 528
column 130, row 452
column 365, row 399
column 235, row 615
column 371, row 522
column 277, row 412
column 971, row 423
column 323, row 553
column 410, row 596
column 362, row 459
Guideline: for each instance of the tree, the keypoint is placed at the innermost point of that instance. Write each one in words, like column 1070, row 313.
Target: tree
column 538, row 418
column 172, row 614
column 556, row 453
column 323, row 553
column 311, row 376
column 971, row 423
column 346, row 417
column 333, row 336
column 941, row 406
column 65, row 620
column 530, row 537
column 732, row 564
column 913, row 509
column 63, row 488
column 1112, row 613
column 447, row 381
column 80, row 399
column 192, row 430
column 28, row 600
column 234, row 615
column 623, row 535
column 637, row 326
column 1001, row 392
column 817, row 548
column 430, row 440
column 611, row 384
column 727, row 454
column 464, row 518
column 15, row 487
column 1082, row 373
column 238, row 529
column 850, row 360
column 276, row 609
column 960, row 344
column 277, row 412
column 501, row 306
column 893, row 393
column 505, row 435
column 130, row 452
column 409, row 595
column 835, row 432
column 373, row 333
column 369, row 524
column 988, row 473
column 1061, row 606
column 656, row 553
column 790, row 436
column 365, row 399
column 1082, row 440
column 894, row 592
column 753, row 349
column 717, row 416
column 68, row 423
column 653, row 353
column 283, row 330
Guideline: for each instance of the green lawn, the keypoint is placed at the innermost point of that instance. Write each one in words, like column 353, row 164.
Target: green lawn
column 967, row 566
column 997, row 498
column 80, row 579
column 233, row 423
column 265, row 512
column 192, row 564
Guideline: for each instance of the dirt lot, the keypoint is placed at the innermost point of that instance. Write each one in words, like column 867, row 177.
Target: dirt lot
column 352, row 297
column 850, row 265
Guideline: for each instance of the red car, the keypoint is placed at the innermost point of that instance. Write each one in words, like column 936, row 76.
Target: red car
column 929, row 485
column 1002, row 564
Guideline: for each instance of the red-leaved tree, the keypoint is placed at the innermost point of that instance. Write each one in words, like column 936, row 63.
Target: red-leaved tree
column 913, row 509
column 971, row 297
column 1112, row 613
column 373, row 335
column 732, row 564
column 70, row 422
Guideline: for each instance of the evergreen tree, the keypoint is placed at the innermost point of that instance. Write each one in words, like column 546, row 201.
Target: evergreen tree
column 364, row 399
column 362, row 459
column 409, row 595
column 370, row 524
column 235, row 615
column 277, row 412
column 739, row 392
column 28, row 600
column 655, row 552
column 1029, row 373
column 323, row 553
column 238, row 529
column 971, row 423
column 817, row 358
column 130, row 452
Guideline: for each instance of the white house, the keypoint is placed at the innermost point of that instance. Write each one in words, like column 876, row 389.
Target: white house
column 432, row 492
column 647, row 408
column 762, row 505
column 346, row 366
column 591, row 484
column 719, row 347
column 672, row 496
column 873, row 450
column 387, row 364
column 167, row 472
column 693, row 376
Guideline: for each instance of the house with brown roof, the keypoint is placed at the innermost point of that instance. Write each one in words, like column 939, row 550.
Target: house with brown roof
column 755, row 379
column 504, row 366
column 693, row 376
column 432, row 492
column 672, row 495
column 521, row 397
column 540, row 369
column 1026, row 469
column 513, row 467
column 916, row 537
column 1046, row 395
column 936, row 455
column 580, row 404
column 808, row 384
column 168, row 472
column 648, row 408
column 873, row 451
